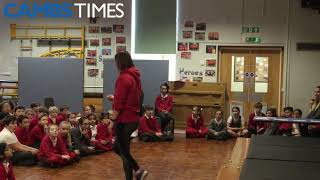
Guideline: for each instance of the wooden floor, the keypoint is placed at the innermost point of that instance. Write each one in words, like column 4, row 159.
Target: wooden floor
column 182, row 159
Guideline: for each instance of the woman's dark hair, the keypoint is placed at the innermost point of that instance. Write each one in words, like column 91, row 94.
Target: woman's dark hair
column 3, row 147
column 166, row 85
column 9, row 119
column 273, row 111
column 235, row 107
column 123, row 60
column 21, row 118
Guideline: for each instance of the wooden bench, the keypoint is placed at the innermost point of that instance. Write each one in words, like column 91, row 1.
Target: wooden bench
column 231, row 170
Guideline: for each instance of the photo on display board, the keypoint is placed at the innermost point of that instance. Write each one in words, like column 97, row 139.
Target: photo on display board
column 106, row 41
column 121, row 49
column 193, row 46
column 93, row 20
column 185, row 55
column 93, row 72
column 121, row 40
column 91, row 53
column 189, row 24
column 197, row 79
column 94, row 29
column 213, row 36
column 200, row 36
column 94, row 42
column 211, row 63
column 182, row 46
column 118, row 28
column 106, row 52
column 210, row 49
column 187, row 34
column 91, row 61
column 201, row 26
column 106, row 29
column 210, row 73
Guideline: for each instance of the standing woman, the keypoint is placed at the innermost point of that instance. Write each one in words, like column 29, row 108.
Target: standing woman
column 126, row 109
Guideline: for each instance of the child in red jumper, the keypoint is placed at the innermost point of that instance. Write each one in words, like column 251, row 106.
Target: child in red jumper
column 39, row 132
column 35, row 120
column 286, row 128
column 53, row 114
column 53, row 151
column 104, row 134
column 22, row 131
column 6, row 172
column 149, row 128
column 253, row 126
column 64, row 112
column 163, row 106
column 72, row 119
column 19, row 110
column 29, row 113
column 195, row 124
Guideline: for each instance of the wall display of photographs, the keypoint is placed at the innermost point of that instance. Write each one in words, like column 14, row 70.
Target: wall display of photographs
column 121, row 49
column 94, row 29
column 91, row 53
column 94, row 42
column 121, row 40
column 200, row 36
column 106, row 41
column 197, row 79
column 194, row 46
column 187, row 34
column 118, row 28
column 93, row 72
column 106, row 29
column 106, row 52
column 213, row 36
column 188, row 24
column 210, row 49
column 91, row 61
column 201, row 26
column 185, row 55
column 182, row 46
column 210, row 73
column 211, row 63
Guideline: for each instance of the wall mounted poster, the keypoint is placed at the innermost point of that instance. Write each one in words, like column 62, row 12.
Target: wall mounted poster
column 182, row 46
column 185, row 55
column 194, row 46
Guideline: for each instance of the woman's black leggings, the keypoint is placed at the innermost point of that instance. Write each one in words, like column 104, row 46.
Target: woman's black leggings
column 122, row 147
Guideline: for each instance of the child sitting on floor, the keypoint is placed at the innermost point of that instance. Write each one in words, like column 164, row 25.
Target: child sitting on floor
column 72, row 119
column 104, row 135
column 217, row 128
column 6, row 172
column 53, row 114
column 297, row 114
column 81, row 137
column 65, row 134
column 195, row 124
column 286, row 128
column 149, row 128
column 39, row 132
column 53, row 152
column 22, row 131
column 235, row 124
column 253, row 126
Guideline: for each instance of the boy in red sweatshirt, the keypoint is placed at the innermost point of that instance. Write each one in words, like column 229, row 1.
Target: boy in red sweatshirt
column 195, row 124
column 104, row 135
column 35, row 119
column 286, row 128
column 22, row 131
column 38, row 132
column 253, row 126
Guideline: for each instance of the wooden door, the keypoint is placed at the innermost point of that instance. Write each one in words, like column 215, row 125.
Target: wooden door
column 251, row 75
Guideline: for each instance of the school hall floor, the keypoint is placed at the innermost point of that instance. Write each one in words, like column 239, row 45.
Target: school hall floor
column 181, row 159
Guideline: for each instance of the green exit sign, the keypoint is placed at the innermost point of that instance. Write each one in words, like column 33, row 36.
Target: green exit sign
column 253, row 39
column 251, row 29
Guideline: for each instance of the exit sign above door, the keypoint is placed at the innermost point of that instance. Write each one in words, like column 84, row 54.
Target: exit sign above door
column 250, row 29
